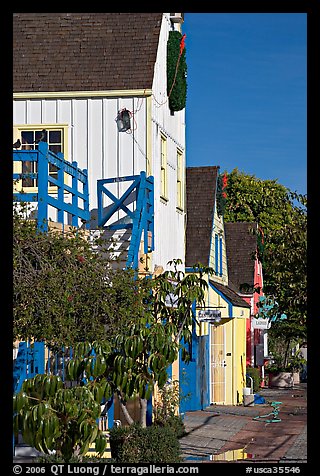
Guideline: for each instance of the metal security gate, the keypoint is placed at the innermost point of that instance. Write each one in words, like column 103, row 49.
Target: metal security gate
column 217, row 364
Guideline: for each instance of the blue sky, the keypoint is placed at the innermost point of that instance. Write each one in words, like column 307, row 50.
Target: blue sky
column 247, row 94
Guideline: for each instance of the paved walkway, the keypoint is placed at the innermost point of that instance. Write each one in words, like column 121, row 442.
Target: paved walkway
column 229, row 433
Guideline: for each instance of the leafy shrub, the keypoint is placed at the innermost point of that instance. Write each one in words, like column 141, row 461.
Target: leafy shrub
column 254, row 372
column 174, row 422
column 153, row 444
column 176, row 72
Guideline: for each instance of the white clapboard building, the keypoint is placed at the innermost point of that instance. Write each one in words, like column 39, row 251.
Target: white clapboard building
column 96, row 84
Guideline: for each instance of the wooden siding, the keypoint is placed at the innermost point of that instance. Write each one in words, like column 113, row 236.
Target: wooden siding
column 95, row 143
column 218, row 228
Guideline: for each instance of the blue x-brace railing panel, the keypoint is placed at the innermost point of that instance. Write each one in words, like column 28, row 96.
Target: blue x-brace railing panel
column 142, row 217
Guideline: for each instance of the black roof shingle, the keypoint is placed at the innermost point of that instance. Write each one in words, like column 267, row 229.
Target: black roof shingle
column 241, row 246
column 231, row 295
column 84, row 51
column 201, row 194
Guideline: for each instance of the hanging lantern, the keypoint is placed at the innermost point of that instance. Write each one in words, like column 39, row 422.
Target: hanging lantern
column 123, row 120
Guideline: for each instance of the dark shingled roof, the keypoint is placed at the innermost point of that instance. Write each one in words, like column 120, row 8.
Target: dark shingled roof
column 201, row 193
column 241, row 245
column 231, row 295
column 84, row 51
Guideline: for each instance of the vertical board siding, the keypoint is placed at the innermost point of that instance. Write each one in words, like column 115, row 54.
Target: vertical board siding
column 34, row 115
column 216, row 247
column 95, row 143
column 49, row 112
column 19, row 112
column 95, row 137
column 169, row 224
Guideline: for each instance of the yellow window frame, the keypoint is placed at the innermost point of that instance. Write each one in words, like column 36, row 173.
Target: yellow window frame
column 164, row 168
column 180, row 181
column 17, row 166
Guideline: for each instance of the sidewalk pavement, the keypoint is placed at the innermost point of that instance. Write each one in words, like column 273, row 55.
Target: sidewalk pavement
column 227, row 433
column 223, row 433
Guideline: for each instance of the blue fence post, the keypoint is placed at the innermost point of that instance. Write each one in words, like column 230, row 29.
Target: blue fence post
column 75, row 195
column 36, row 352
column 20, row 367
column 149, row 411
column 43, row 173
column 61, row 188
column 86, row 200
column 111, row 413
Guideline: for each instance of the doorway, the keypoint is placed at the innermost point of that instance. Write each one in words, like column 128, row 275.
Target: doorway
column 217, row 364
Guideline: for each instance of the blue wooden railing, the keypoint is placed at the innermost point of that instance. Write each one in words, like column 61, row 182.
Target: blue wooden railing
column 66, row 172
column 140, row 220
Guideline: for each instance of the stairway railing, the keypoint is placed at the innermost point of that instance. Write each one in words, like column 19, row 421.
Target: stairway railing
column 140, row 220
column 66, row 172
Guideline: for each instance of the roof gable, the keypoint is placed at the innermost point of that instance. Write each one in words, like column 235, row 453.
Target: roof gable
column 84, row 51
column 201, row 194
column 241, row 246
column 230, row 294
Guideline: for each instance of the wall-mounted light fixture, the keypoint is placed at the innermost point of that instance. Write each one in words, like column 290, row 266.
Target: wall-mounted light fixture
column 123, row 120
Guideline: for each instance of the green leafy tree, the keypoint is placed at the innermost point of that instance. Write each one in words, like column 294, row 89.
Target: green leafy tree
column 63, row 290
column 53, row 417
column 282, row 218
column 150, row 342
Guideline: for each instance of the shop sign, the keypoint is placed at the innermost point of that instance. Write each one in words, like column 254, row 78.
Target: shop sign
column 261, row 323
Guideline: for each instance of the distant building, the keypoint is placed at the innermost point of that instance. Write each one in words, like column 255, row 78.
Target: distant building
column 216, row 373
column 246, row 278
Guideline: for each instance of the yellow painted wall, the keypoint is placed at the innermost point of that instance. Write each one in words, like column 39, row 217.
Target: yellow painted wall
column 236, row 362
column 235, row 345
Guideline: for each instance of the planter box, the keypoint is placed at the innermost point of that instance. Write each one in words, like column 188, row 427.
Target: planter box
column 281, row 379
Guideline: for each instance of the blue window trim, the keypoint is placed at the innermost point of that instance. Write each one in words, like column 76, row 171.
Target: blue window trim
column 216, row 249
column 220, row 255
column 230, row 306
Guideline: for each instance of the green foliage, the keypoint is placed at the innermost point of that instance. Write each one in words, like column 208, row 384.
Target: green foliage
column 67, row 294
column 165, row 407
column 285, row 357
column 282, row 217
column 296, row 362
column 176, row 77
column 149, row 342
column 168, row 401
column 153, row 444
column 53, row 417
column 255, row 374
column 63, row 289
column 175, row 423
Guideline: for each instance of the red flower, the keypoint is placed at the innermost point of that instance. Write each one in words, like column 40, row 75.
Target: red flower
column 224, row 181
column 70, row 298
column 81, row 259
column 224, row 194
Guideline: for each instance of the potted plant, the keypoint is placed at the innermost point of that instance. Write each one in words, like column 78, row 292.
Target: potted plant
column 279, row 375
column 295, row 365
column 285, row 375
